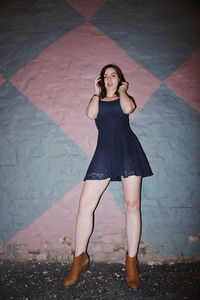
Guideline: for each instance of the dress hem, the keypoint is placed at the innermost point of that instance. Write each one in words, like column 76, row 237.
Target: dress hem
column 118, row 177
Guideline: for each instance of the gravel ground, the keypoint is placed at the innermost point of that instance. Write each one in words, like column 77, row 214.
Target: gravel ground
column 28, row 280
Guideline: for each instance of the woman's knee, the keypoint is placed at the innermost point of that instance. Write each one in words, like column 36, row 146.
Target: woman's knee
column 91, row 194
column 132, row 206
column 86, row 207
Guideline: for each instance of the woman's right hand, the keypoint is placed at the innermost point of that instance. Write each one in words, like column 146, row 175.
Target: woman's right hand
column 97, row 89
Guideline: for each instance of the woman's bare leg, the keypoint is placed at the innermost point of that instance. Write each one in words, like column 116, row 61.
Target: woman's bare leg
column 131, row 192
column 91, row 192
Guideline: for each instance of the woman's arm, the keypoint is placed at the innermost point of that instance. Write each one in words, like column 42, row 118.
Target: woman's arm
column 93, row 106
column 127, row 103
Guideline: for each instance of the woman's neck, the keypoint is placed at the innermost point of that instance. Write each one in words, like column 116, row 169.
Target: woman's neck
column 110, row 94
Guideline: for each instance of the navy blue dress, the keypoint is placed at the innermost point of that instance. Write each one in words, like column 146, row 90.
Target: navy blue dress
column 118, row 151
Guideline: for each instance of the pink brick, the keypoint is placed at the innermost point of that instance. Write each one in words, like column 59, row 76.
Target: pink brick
column 107, row 248
column 86, row 7
column 185, row 81
column 2, row 80
column 115, row 239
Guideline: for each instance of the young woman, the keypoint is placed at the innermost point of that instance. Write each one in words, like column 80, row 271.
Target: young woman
column 118, row 157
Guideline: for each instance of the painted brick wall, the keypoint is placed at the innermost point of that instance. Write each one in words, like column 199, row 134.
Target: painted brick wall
column 51, row 54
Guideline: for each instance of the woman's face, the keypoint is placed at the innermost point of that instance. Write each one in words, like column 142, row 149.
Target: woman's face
column 111, row 79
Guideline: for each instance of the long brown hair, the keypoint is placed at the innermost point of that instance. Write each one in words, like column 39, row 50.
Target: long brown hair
column 101, row 83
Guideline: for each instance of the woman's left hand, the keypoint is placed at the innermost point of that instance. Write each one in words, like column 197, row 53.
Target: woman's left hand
column 124, row 86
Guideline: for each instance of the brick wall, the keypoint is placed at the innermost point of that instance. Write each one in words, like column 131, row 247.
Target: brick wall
column 52, row 52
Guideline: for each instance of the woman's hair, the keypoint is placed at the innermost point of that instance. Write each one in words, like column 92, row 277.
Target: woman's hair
column 102, row 85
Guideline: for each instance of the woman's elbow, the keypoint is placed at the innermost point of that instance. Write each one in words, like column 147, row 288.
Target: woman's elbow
column 90, row 115
column 129, row 109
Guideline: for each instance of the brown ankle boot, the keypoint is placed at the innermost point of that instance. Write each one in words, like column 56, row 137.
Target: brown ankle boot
column 132, row 273
column 79, row 264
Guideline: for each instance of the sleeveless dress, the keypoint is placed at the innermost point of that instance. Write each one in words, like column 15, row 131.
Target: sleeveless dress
column 118, row 151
